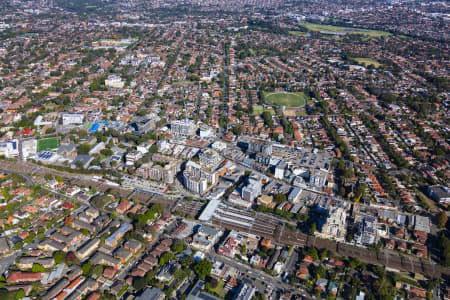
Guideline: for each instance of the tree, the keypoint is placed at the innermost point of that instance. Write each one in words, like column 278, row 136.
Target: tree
column 354, row 263
column 203, row 268
column 153, row 149
column 139, row 283
column 313, row 253
column 97, row 270
column 72, row 259
column 165, row 258
column 59, row 257
column 18, row 245
column 181, row 273
column 84, row 148
column 168, row 291
column 37, row 268
column 267, row 116
column 323, row 254
column 383, row 288
column 187, row 261
column 280, row 198
column 259, row 296
column 6, row 194
column 29, row 239
column 441, row 219
column 178, row 246
column 86, row 268
column 318, row 272
column 444, row 246
column 20, row 294
column 317, row 293
column 313, row 228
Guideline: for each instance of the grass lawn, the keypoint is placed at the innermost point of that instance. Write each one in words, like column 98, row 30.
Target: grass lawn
column 259, row 109
column 183, row 82
column 46, row 144
column 219, row 289
column 347, row 30
column 366, row 61
column 296, row 32
column 285, row 99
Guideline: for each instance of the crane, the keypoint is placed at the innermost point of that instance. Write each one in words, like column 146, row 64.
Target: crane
column 356, row 205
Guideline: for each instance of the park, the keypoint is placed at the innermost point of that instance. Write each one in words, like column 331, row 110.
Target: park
column 285, row 99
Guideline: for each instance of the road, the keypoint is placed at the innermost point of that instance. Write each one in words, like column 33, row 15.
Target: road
column 6, row 261
column 259, row 278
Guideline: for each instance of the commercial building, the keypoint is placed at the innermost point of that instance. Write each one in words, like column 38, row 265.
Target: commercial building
column 157, row 172
column 253, row 189
column 256, row 146
column 71, row 119
column 206, row 132
column 279, row 170
column 28, row 148
column 196, row 178
column 421, row 223
column 114, row 81
column 183, row 127
column 439, row 193
column 262, row 158
column 132, row 157
column 205, row 238
column 67, row 151
column 39, row 121
column 318, row 178
column 367, row 231
column 9, row 148
column 294, row 195
column 219, row 146
column 194, row 183
column 144, row 125
column 209, row 157
column 245, row 292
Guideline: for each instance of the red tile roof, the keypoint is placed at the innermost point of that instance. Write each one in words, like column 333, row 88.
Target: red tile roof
column 18, row 276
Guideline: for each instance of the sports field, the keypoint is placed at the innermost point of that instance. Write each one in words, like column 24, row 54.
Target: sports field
column 366, row 61
column 296, row 32
column 343, row 30
column 285, row 99
column 47, row 144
